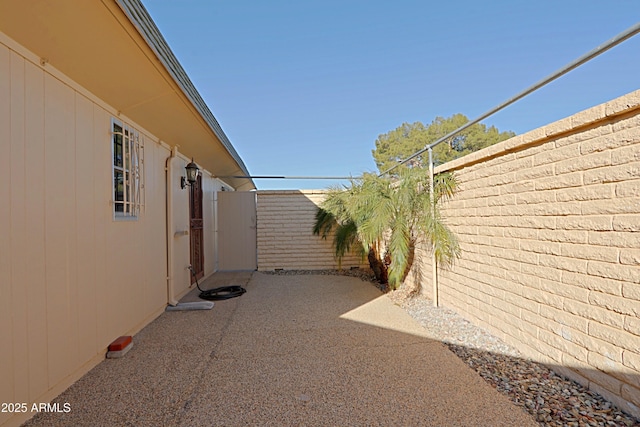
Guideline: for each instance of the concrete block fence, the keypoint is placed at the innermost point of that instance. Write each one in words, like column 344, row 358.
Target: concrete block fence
column 285, row 238
column 549, row 225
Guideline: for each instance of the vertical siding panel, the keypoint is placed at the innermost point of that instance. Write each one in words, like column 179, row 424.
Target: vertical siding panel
column 71, row 197
column 145, row 260
column 116, row 273
column 120, row 273
column 35, row 218
column 19, row 254
column 135, row 279
column 181, row 276
column 85, row 265
column 56, row 228
column 154, row 225
column 138, row 274
column 6, row 356
column 147, row 229
column 133, row 257
column 102, row 192
column 156, row 200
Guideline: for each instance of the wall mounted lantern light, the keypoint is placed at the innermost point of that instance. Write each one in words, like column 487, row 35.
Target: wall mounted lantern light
column 192, row 175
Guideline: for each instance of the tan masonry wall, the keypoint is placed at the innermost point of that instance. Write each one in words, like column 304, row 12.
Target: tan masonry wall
column 285, row 237
column 549, row 226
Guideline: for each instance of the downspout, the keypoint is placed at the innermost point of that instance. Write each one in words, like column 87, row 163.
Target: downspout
column 434, row 264
column 169, row 232
column 215, row 231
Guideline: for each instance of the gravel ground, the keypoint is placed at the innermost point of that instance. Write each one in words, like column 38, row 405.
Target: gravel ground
column 550, row 398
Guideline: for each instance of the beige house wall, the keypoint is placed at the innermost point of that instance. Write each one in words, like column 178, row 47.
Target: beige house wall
column 549, row 226
column 180, row 236
column 285, row 222
column 73, row 279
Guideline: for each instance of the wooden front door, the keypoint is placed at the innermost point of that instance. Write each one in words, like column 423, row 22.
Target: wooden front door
column 196, row 229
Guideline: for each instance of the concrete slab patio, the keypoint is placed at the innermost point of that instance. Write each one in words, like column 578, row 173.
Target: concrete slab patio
column 306, row 350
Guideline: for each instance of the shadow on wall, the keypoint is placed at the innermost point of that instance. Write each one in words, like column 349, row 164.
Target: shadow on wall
column 418, row 272
column 285, row 237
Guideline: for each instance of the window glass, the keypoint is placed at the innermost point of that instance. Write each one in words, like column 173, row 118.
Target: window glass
column 127, row 166
column 118, row 184
column 117, row 145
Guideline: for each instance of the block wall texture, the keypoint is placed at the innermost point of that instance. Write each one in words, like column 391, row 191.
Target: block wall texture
column 549, row 226
column 285, row 238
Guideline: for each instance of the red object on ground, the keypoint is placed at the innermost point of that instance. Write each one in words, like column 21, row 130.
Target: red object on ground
column 120, row 343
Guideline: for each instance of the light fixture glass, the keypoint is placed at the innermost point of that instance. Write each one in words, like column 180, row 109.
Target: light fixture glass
column 192, row 175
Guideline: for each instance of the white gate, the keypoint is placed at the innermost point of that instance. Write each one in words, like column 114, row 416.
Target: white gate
column 237, row 249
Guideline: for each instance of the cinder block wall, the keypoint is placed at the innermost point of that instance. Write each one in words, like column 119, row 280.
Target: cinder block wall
column 549, row 225
column 285, row 237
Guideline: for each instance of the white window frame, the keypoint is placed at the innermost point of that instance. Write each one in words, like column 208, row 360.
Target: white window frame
column 127, row 168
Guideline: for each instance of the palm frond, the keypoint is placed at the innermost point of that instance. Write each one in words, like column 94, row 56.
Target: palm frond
column 324, row 223
column 377, row 216
column 444, row 186
column 399, row 244
column 441, row 240
column 346, row 236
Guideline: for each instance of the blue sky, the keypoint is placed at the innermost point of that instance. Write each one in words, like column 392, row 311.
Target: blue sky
column 305, row 87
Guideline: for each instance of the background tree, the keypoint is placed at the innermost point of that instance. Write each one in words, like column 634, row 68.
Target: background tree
column 405, row 140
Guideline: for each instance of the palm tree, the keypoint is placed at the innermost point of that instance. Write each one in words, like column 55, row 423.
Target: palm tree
column 386, row 218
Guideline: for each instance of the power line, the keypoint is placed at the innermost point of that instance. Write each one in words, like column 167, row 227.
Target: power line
column 288, row 177
column 627, row 34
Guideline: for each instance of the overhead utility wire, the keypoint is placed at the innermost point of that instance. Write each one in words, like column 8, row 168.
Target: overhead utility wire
column 287, row 177
column 632, row 31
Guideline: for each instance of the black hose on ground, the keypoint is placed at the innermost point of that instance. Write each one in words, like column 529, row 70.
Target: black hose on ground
column 224, row 292
column 217, row 294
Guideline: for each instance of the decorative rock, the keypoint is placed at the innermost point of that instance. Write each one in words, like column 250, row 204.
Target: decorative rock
column 552, row 400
